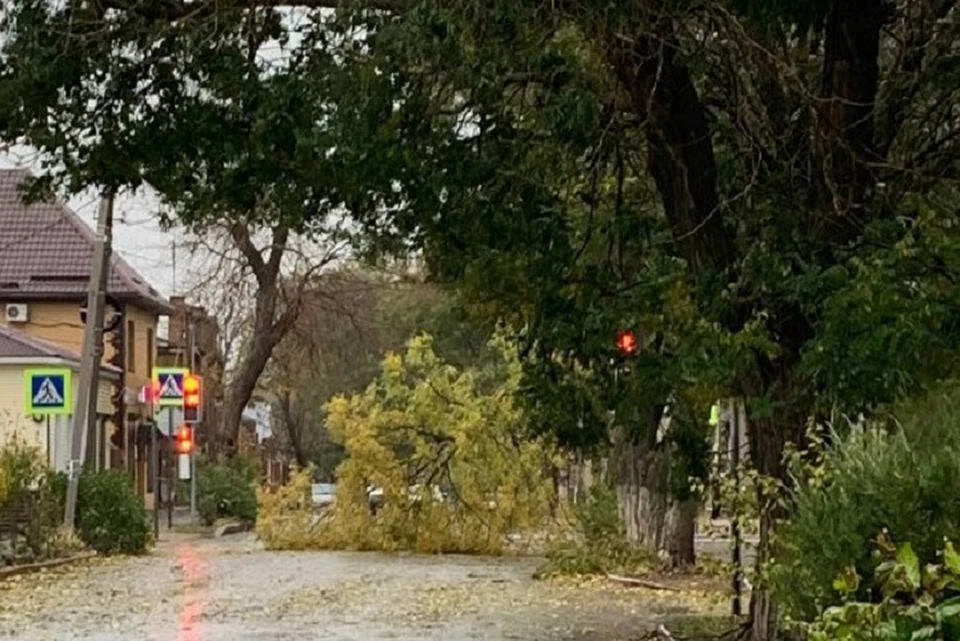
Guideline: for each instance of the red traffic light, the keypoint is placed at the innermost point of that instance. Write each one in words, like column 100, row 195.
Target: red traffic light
column 191, row 390
column 626, row 342
column 183, row 439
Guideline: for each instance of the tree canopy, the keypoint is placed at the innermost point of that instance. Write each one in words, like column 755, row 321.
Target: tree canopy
column 765, row 191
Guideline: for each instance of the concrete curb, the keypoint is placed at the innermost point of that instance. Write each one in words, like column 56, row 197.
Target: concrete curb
column 29, row 568
column 231, row 528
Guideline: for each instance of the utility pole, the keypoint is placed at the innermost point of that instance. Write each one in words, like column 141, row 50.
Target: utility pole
column 85, row 411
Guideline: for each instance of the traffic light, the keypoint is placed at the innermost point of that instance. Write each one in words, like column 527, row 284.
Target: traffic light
column 184, row 439
column 192, row 398
column 626, row 342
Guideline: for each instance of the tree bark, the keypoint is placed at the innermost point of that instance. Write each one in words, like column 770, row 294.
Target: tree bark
column 294, row 428
column 680, row 148
column 851, row 72
column 651, row 516
column 267, row 334
column 270, row 324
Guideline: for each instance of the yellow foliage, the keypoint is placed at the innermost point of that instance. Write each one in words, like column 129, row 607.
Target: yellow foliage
column 449, row 450
column 286, row 514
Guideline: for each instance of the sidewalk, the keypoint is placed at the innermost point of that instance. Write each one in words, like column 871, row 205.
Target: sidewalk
column 182, row 527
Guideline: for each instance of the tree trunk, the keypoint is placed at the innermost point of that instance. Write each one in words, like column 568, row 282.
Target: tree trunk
column 651, row 517
column 851, row 72
column 767, row 441
column 293, row 427
column 680, row 148
column 763, row 608
column 681, row 528
column 267, row 333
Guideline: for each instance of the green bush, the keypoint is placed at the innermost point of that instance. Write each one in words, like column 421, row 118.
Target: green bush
column 110, row 516
column 902, row 480
column 21, row 467
column 915, row 602
column 228, row 490
column 24, row 477
column 42, row 533
column 601, row 544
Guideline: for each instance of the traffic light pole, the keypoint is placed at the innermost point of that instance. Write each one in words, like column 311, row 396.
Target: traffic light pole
column 155, row 459
column 193, row 450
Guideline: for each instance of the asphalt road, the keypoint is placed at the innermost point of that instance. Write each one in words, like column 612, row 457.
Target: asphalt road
column 229, row 590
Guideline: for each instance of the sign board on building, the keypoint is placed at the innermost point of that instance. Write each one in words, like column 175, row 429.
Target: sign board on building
column 168, row 383
column 47, row 391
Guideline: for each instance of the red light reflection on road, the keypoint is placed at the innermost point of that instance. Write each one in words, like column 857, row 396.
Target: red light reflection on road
column 194, row 571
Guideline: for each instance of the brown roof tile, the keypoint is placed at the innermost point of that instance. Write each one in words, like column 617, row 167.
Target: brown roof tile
column 46, row 249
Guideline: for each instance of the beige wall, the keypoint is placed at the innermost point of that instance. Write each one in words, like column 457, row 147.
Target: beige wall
column 142, row 321
column 13, row 419
column 58, row 322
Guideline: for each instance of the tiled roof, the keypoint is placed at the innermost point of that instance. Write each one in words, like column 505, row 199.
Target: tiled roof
column 46, row 250
column 19, row 345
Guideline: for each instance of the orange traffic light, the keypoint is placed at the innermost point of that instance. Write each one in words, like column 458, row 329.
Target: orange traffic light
column 192, row 398
column 183, row 439
column 626, row 342
column 191, row 390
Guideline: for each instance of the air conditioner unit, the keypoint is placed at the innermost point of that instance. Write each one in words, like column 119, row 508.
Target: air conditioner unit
column 18, row 313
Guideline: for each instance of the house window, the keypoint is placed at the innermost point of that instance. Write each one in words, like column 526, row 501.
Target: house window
column 150, row 349
column 131, row 347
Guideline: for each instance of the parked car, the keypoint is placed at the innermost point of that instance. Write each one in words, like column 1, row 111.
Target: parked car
column 323, row 494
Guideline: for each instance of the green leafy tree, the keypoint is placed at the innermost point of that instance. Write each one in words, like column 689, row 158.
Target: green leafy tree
column 766, row 192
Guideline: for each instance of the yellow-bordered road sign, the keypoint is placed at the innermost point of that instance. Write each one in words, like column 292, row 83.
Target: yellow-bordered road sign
column 47, row 391
column 168, row 386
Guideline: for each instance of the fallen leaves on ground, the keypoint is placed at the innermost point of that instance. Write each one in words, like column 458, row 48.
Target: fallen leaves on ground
column 484, row 597
column 370, row 593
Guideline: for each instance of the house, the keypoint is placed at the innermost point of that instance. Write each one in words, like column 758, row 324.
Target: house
column 45, row 258
column 53, row 435
column 191, row 327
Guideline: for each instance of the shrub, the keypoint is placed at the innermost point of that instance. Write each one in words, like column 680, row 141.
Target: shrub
column 600, row 544
column 110, row 516
column 24, row 477
column 21, row 468
column 43, row 536
column 915, row 602
column 227, row 490
column 902, row 480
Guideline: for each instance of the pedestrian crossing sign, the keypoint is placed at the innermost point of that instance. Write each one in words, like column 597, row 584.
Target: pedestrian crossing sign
column 47, row 391
column 168, row 384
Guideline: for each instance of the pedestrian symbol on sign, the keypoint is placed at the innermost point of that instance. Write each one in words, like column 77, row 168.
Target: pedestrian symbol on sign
column 47, row 391
column 48, row 394
column 170, row 388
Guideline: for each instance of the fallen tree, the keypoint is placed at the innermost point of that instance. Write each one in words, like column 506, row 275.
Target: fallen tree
column 437, row 460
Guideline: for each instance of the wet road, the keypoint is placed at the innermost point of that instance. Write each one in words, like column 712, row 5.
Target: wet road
column 229, row 590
